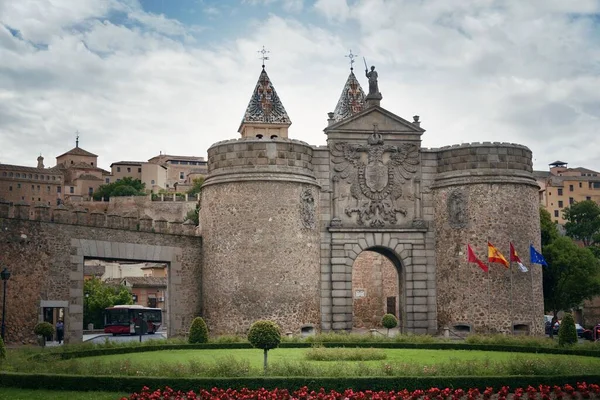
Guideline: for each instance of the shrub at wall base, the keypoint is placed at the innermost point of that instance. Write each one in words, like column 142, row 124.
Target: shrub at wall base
column 389, row 321
column 264, row 335
column 198, row 331
column 44, row 330
column 567, row 335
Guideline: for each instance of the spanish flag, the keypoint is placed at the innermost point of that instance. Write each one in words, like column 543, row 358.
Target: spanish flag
column 494, row 256
column 472, row 258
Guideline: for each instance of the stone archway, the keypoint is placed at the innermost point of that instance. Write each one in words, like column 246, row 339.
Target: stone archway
column 377, row 288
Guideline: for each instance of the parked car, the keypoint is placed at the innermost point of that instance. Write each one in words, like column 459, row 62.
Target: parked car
column 578, row 328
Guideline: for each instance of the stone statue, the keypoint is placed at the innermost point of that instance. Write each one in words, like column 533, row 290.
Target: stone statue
column 372, row 75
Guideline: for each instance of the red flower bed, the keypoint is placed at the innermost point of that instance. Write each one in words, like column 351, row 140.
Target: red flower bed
column 542, row 392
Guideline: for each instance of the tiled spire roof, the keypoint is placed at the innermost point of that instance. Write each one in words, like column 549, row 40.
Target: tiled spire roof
column 264, row 106
column 351, row 101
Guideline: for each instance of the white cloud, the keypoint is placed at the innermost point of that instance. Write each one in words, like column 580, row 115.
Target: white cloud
column 475, row 70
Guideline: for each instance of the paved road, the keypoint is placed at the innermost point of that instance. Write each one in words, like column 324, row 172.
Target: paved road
column 101, row 338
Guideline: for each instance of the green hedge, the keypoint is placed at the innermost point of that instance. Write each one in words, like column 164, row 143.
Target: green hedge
column 132, row 384
column 384, row 345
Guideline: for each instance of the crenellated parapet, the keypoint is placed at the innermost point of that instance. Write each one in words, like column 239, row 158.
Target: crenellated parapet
column 484, row 162
column 80, row 216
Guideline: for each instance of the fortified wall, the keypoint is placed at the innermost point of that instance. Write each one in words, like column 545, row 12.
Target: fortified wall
column 45, row 256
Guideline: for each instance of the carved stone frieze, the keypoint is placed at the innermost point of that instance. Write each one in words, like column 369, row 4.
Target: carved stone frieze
column 307, row 208
column 457, row 209
column 378, row 176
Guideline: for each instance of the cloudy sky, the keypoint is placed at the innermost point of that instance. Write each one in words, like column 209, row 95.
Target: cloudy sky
column 136, row 77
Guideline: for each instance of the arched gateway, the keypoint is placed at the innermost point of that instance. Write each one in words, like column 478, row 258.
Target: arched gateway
column 283, row 222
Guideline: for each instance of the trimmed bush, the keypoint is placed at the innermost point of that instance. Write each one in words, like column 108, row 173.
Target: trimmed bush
column 264, row 335
column 198, row 331
column 2, row 350
column 44, row 329
column 389, row 321
column 567, row 334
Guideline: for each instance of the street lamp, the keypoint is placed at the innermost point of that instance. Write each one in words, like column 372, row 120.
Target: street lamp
column 4, row 275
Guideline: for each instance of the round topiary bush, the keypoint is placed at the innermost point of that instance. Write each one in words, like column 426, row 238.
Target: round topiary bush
column 2, row 350
column 264, row 335
column 389, row 321
column 198, row 331
column 44, row 329
column 567, row 334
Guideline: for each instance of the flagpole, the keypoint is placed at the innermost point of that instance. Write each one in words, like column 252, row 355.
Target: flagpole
column 512, row 311
column 532, row 294
column 487, row 247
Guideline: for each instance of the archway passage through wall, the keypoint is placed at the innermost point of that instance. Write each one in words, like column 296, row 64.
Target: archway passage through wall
column 377, row 288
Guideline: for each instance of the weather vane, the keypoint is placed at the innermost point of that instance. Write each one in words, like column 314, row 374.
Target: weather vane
column 264, row 55
column 351, row 57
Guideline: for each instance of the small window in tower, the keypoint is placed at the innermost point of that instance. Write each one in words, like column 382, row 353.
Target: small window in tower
column 71, row 161
column 58, row 189
column 128, row 169
column 71, row 189
column 10, row 188
column 118, row 169
column 570, row 188
column 18, row 175
column 560, row 203
column 139, row 170
column 571, row 200
column 181, row 175
column 588, row 197
column 579, row 184
column 92, row 164
column 556, row 213
column 18, row 186
column 560, row 192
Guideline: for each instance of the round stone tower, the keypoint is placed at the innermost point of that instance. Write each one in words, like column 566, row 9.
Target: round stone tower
column 259, row 219
column 486, row 192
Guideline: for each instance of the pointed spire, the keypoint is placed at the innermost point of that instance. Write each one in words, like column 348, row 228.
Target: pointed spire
column 265, row 114
column 352, row 99
column 77, row 139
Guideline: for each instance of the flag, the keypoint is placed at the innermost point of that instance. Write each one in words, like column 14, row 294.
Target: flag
column 494, row 256
column 535, row 257
column 514, row 257
column 472, row 258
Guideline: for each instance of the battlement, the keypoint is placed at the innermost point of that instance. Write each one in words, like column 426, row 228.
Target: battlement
column 259, row 159
column 80, row 216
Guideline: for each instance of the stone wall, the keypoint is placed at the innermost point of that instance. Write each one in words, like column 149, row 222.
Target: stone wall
column 45, row 258
column 259, row 217
column 374, row 280
column 482, row 192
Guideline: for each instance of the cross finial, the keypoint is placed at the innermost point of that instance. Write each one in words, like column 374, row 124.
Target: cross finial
column 77, row 138
column 351, row 57
column 263, row 57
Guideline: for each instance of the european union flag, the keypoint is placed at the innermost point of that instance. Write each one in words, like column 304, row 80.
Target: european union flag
column 535, row 257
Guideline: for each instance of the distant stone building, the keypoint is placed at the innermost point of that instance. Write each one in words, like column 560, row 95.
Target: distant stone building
column 74, row 178
column 153, row 176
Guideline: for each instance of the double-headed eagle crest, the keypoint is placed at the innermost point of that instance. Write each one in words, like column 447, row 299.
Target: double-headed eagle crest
column 379, row 179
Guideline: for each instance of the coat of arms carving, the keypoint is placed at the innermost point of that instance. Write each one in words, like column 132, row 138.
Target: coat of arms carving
column 377, row 180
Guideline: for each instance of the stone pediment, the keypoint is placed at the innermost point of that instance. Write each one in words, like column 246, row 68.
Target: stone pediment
column 386, row 121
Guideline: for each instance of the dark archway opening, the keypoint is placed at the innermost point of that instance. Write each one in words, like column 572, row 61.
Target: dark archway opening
column 377, row 288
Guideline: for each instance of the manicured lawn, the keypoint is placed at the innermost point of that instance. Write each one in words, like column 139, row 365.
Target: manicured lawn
column 407, row 356
column 26, row 394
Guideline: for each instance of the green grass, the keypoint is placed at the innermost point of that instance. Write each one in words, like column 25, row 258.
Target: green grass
column 294, row 362
column 27, row 394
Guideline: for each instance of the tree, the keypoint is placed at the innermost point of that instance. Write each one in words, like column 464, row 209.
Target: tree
column 194, row 215
column 583, row 222
column 572, row 275
column 198, row 331
column 124, row 187
column 548, row 228
column 45, row 330
column 264, row 335
column 98, row 296
column 389, row 321
column 196, row 186
column 567, row 334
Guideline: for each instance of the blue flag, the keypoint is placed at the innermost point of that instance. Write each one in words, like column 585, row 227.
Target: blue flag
column 535, row 257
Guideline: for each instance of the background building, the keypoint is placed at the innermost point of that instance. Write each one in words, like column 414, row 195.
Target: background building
column 561, row 186
column 31, row 184
column 153, row 176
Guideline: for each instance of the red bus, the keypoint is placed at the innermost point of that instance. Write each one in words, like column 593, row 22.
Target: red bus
column 121, row 320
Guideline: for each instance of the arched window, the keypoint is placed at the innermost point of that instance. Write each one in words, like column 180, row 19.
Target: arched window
column 18, row 175
column 36, row 176
column 4, row 173
column 10, row 174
